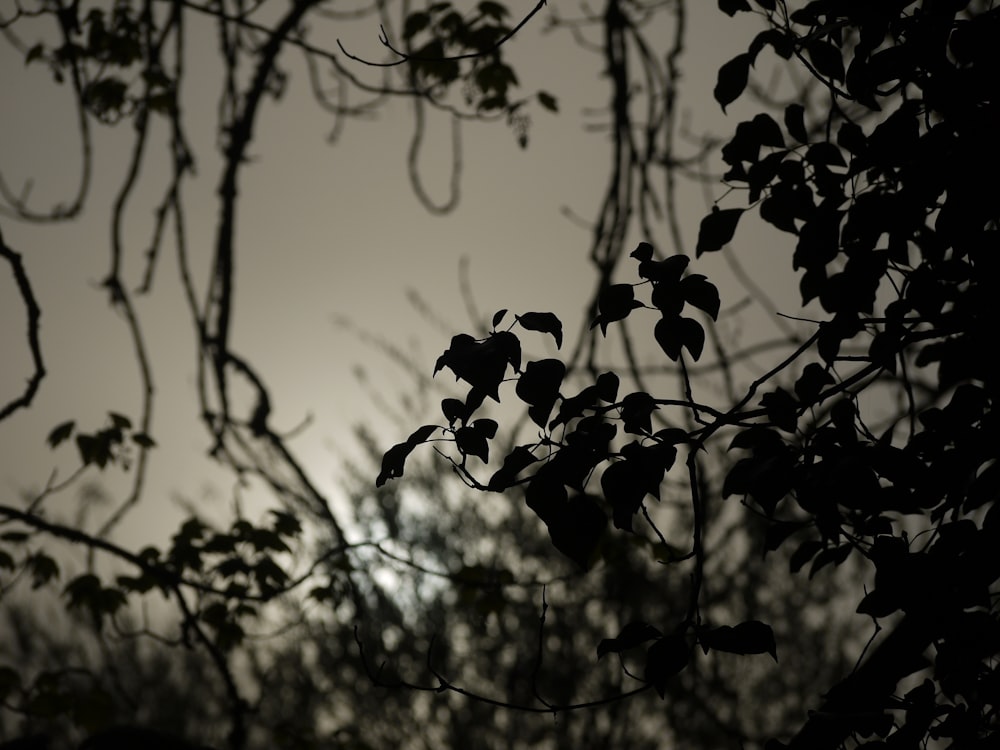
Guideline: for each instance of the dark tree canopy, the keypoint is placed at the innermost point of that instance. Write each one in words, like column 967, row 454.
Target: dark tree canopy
column 871, row 440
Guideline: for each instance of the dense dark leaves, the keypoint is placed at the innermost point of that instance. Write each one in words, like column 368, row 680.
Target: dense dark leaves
column 872, row 442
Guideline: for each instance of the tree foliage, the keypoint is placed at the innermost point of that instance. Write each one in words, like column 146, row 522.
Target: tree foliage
column 873, row 438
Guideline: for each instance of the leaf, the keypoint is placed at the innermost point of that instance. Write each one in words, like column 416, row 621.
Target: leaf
column 692, row 336
column 577, row 528
column 732, row 80
column 482, row 364
column 538, row 387
column 674, row 333
column 614, row 303
column 632, row 635
column 637, row 410
column 513, row 464
column 493, row 9
column 548, row 101
column 766, row 131
column 643, row 252
column 415, row 23
column 666, row 658
column 60, row 433
column 703, row 294
column 544, row 322
column 731, row 8
column 486, row 427
column 143, row 440
column 826, row 58
column 607, row 387
column 834, row 555
column 625, row 489
column 825, row 153
column 10, row 682
column 811, row 382
column 43, row 569
column 668, row 270
column 35, row 53
column 472, row 443
column 81, row 590
column 717, row 229
column 120, row 421
column 805, row 552
column 498, row 316
column 751, row 637
column 394, row 459
column 782, row 409
column 453, row 410
column 795, row 122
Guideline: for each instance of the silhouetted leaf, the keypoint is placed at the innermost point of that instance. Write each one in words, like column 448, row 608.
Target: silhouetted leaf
column 548, row 101
column 811, row 382
column 693, row 336
column 766, row 131
column 668, row 270
column 486, row 427
column 703, row 294
column 453, row 410
column 666, row 658
column 782, row 409
column 395, row 458
column 498, row 316
column 514, row 463
column 643, row 252
column 576, row 529
column 625, row 489
column 666, row 298
column 879, row 603
column 545, row 322
column 795, row 122
column 751, row 637
column 482, row 364
column 493, row 9
column 831, row 555
column 825, row 153
column 826, row 58
column 732, row 80
column 472, row 442
column 732, row 7
column 42, row 568
column 120, row 421
column 632, row 635
column 637, row 409
column 546, row 493
column 607, row 387
column 668, row 336
column 717, row 229
column 34, row 53
column 143, row 440
column 614, row 303
column 539, row 386
column 60, row 433
column 778, row 531
column 780, row 213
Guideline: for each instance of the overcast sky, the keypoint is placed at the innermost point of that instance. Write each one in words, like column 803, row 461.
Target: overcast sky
column 325, row 232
